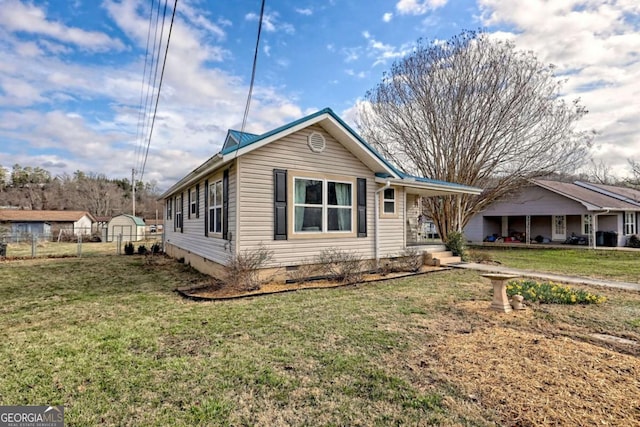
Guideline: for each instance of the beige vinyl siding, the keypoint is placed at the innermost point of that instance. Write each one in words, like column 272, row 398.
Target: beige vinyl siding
column 193, row 238
column 392, row 228
column 292, row 153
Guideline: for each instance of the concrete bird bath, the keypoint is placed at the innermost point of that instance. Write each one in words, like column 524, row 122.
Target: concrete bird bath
column 500, row 301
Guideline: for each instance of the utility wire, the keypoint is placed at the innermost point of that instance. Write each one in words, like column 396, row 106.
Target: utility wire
column 253, row 75
column 143, row 103
column 155, row 111
column 151, row 86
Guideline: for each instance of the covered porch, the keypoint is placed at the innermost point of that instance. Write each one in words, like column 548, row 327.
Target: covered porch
column 593, row 229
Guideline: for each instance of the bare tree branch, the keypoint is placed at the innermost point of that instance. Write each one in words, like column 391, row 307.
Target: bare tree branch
column 477, row 112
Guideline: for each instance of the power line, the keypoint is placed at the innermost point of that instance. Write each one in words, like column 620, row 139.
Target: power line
column 164, row 63
column 253, row 74
column 142, row 114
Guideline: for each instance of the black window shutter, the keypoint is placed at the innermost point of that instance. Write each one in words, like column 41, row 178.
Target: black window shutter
column 206, row 207
column 182, row 212
column 362, row 207
column 197, row 200
column 174, row 201
column 279, row 204
column 225, row 204
column 189, row 204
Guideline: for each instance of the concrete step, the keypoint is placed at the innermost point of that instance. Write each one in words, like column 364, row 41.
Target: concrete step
column 440, row 262
column 440, row 258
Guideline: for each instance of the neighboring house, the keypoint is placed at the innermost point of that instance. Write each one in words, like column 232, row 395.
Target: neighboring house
column 310, row 185
column 552, row 211
column 154, row 225
column 46, row 223
column 131, row 228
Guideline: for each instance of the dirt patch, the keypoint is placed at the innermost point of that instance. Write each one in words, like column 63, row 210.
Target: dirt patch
column 216, row 290
column 534, row 378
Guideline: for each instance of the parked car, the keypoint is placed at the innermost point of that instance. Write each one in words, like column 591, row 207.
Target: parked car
column 153, row 228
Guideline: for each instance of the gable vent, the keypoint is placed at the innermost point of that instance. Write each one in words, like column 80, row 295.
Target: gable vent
column 316, row 142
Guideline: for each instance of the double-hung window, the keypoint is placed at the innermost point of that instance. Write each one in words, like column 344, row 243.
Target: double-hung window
column 169, row 203
column 629, row 223
column 179, row 212
column 587, row 224
column 194, row 198
column 389, row 201
column 215, row 207
column 322, row 206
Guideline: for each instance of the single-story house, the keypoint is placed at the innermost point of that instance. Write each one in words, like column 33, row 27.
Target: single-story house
column 309, row 185
column 154, row 225
column 46, row 223
column 551, row 211
column 132, row 228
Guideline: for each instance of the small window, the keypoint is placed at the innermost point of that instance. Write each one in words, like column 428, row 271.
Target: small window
column 586, row 224
column 194, row 206
column 215, row 207
column 629, row 223
column 389, row 201
column 169, row 204
column 179, row 211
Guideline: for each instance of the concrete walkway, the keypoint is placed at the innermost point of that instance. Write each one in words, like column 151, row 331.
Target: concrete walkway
column 546, row 276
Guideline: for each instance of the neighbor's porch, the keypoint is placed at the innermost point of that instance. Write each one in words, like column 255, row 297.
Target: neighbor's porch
column 553, row 229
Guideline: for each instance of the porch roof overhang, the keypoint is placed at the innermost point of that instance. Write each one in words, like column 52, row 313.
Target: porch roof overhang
column 428, row 188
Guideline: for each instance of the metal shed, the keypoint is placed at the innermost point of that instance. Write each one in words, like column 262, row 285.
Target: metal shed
column 131, row 227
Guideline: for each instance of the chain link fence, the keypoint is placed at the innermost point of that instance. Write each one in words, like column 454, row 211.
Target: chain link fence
column 33, row 245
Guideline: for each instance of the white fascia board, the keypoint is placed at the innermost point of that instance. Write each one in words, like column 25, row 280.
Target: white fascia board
column 204, row 169
column 440, row 188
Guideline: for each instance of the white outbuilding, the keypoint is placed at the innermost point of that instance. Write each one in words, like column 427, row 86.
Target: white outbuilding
column 132, row 228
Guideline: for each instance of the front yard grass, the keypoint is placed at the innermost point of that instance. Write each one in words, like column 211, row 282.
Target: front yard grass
column 603, row 264
column 107, row 338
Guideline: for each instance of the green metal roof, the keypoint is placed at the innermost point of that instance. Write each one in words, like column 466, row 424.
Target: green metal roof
column 136, row 219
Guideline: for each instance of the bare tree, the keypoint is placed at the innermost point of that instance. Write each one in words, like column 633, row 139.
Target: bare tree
column 477, row 112
column 599, row 172
column 634, row 181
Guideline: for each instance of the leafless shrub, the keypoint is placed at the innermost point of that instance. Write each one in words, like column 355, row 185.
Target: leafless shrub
column 342, row 266
column 242, row 270
column 303, row 273
column 480, row 257
column 411, row 260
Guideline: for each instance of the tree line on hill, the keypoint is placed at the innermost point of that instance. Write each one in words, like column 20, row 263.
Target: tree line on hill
column 27, row 187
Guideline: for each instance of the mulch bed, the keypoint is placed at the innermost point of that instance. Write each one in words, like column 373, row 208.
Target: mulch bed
column 216, row 290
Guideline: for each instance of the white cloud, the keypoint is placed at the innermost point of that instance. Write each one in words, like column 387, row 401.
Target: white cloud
column 271, row 22
column 596, row 45
column 418, row 7
column 387, row 17
column 306, row 11
column 19, row 17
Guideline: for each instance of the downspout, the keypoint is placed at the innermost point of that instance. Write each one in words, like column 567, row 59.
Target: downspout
column 376, row 214
column 594, row 222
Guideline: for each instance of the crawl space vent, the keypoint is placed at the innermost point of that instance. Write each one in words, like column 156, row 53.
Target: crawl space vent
column 317, row 143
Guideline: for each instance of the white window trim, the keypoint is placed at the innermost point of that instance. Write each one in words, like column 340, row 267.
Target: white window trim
column 193, row 209
column 586, row 219
column 213, row 205
column 169, row 212
column 179, row 218
column 629, row 223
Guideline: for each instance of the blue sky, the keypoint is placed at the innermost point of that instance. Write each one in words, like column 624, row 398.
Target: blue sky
column 71, row 73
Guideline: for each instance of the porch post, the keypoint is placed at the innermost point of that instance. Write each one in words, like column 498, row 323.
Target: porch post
column 528, row 230
column 505, row 226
